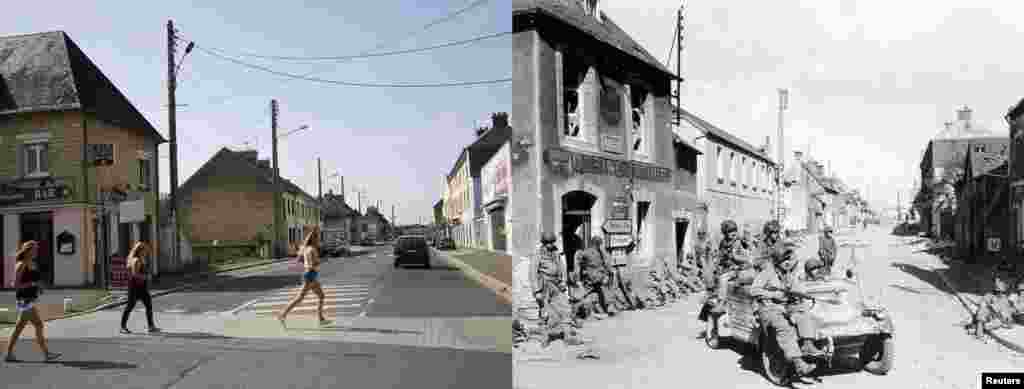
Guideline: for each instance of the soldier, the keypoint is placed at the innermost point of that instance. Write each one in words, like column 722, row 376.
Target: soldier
column 799, row 310
column 827, row 248
column 995, row 310
column 689, row 281
column 702, row 252
column 596, row 275
column 771, row 240
column 548, row 279
column 733, row 261
column 814, row 270
column 767, row 290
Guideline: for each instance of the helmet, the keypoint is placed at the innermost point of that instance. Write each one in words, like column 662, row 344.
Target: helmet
column 729, row 226
column 828, row 228
column 813, row 264
column 771, row 226
column 547, row 237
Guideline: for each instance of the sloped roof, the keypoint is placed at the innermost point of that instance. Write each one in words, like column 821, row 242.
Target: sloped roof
column 336, row 207
column 485, row 146
column 572, row 13
column 713, row 131
column 48, row 72
column 680, row 140
column 225, row 155
column 822, row 180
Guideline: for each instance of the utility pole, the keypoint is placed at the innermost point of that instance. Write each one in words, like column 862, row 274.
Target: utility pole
column 319, row 189
column 679, row 64
column 277, row 180
column 783, row 104
column 393, row 222
column 172, row 110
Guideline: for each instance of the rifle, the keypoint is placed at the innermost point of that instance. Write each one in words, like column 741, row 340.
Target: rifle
column 793, row 293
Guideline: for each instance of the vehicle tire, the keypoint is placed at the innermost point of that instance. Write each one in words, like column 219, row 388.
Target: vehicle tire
column 396, row 264
column 774, row 365
column 711, row 337
column 877, row 354
column 426, row 264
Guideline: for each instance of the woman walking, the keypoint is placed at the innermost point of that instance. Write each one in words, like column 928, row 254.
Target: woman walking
column 26, row 277
column 310, row 254
column 138, row 287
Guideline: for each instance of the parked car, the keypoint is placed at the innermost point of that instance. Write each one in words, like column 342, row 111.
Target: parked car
column 412, row 249
column 849, row 327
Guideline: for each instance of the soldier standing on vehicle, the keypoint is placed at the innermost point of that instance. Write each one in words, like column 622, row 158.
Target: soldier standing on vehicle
column 548, row 279
column 768, row 290
column 771, row 239
column 827, row 248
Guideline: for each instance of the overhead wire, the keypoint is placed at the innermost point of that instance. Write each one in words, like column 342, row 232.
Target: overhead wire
column 349, row 83
column 370, row 54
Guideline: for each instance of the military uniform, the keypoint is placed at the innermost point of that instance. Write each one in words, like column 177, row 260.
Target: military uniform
column 773, row 311
column 597, row 276
column 827, row 250
column 549, row 288
column 733, row 264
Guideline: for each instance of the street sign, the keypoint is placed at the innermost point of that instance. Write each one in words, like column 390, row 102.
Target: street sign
column 617, row 226
column 994, row 244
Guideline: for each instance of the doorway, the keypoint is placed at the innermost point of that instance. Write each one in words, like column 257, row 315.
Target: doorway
column 39, row 227
column 576, row 228
column 681, row 226
column 498, row 229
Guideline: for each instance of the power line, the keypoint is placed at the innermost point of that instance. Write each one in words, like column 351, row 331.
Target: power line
column 440, row 20
column 348, row 83
column 370, row 55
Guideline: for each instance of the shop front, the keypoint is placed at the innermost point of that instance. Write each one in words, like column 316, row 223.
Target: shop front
column 38, row 210
column 629, row 204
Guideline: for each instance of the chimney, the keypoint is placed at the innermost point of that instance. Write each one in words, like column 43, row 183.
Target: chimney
column 798, row 156
column 964, row 114
column 499, row 120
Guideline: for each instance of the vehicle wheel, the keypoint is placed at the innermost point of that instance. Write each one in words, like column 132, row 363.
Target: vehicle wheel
column 427, row 264
column 711, row 332
column 396, row 264
column 773, row 363
column 877, row 354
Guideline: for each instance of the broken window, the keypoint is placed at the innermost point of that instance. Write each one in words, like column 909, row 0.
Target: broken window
column 641, row 218
column 574, row 73
column 638, row 105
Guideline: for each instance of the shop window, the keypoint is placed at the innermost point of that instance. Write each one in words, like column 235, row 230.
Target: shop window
column 36, row 157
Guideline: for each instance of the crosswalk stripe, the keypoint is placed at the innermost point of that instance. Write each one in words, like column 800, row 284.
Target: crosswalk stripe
column 310, row 308
column 346, row 287
column 329, row 293
column 307, row 301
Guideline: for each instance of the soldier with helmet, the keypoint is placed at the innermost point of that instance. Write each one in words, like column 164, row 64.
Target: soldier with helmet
column 548, row 278
column 774, row 307
column 772, row 239
column 733, row 261
column 827, row 248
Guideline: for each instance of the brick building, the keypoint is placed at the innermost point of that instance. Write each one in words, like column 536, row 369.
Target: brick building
column 592, row 145
column 54, row 102
column 337, row 214
column 230, row 199
column 464, row 196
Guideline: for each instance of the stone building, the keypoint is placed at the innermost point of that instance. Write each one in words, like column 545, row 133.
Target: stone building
column 982, row 206
column 592, row 148
column 54, row 104
column 231, row 199
column 738, row 180
column 464, row 199
column 1015, row 118
column 338, row 215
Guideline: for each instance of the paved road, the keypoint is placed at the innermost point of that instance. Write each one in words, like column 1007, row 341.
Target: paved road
column 395, row 328
column 652, row 349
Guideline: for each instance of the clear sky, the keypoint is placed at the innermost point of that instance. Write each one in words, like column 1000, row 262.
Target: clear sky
column 870, row 81
column 394, row 143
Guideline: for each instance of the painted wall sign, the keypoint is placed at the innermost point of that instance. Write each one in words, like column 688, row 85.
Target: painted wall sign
column 28, row 195
column 618, row 226
column 611, row 143
column 589, row 164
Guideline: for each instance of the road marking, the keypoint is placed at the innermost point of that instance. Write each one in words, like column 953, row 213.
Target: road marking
column 267, row 303
column 308, row 309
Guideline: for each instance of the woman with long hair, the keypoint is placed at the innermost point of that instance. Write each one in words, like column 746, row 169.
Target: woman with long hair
column 26, row 278
column 138, row 286
column 310, row 253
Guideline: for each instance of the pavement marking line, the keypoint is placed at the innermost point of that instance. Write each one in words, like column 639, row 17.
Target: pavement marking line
column 326, row 301
column 308, row 308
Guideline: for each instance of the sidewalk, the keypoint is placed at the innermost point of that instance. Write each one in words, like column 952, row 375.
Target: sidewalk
column 490, row 269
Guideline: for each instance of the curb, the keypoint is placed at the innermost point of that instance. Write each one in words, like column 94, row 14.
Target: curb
column 504, row 291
